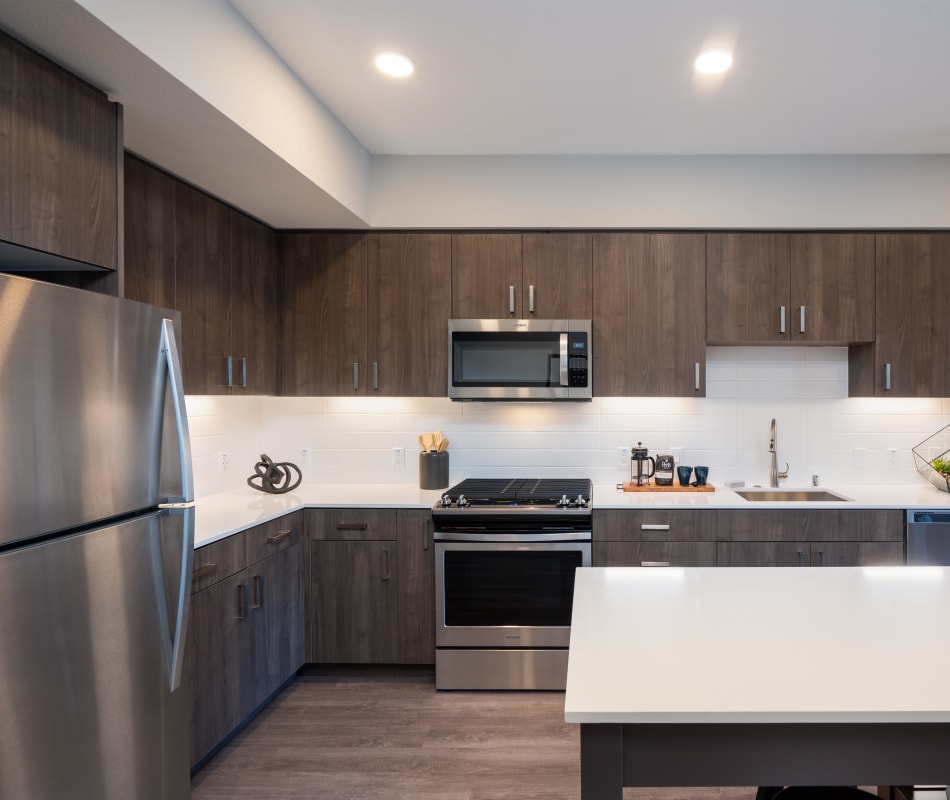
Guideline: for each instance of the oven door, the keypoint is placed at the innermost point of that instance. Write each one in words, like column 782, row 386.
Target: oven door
column 506, row 594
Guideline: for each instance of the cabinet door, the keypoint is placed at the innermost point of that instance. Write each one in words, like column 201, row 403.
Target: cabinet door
column 354, row 601
column 253, row 302
column 856, row 554
column 276, row 611
column 832, row 276
column 60, row 160
column 486, row 268
column 410, row 299
column 416, row 582
column 649, row 315
column 747, row 285
column 218, row 665
column 654, row 554
column 912, row 336
column 323, row 330
column 203, row 293
column 763, row 554
column 149, row 234
column 557, row 276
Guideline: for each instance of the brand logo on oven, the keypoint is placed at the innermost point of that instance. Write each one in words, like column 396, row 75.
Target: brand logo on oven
column 521, row 324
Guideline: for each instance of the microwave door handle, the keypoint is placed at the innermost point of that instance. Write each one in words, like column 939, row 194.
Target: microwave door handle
column 563, row 369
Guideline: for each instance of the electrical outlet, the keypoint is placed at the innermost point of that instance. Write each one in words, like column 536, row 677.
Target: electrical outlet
column 892, row 456
column 677, row 453
column 623, row 454
column 305, row 456
column 399, row 458
column 223, row 459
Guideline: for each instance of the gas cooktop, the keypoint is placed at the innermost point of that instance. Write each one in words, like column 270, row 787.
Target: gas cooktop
column 517, row 494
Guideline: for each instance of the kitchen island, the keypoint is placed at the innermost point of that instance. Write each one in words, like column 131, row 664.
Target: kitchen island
column 724, row 677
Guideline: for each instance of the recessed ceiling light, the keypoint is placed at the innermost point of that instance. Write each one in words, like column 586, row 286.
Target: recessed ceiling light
column 713, row 61
column 395, row 64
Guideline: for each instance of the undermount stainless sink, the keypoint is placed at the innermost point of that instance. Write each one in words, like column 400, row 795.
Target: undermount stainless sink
column 790, row 495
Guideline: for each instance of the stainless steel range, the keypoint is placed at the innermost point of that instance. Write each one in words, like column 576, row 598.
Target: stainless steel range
column 506, row 552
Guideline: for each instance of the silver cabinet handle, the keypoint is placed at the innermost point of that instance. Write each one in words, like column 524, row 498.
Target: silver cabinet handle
column 230, row 370
column 201, row 572
column 356, row 375
column 654, row 563
column 782, row 323
column 801, row 558
column 887, row 377
column 801, row 319
column 531, row 299
column 511, row 299
column 278, row 537
column 697, row 376
column 385, row 565
column 562, row 372
column 375, row 374
column 654, row 527
column 821, row 558
column 243, row 372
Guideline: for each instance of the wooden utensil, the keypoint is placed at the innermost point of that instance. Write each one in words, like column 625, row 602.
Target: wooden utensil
column 442, row 446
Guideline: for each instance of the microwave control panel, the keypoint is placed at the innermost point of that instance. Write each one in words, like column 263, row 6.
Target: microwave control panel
column 577, row 372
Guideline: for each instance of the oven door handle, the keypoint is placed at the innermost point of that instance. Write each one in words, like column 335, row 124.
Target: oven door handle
column 514, row 538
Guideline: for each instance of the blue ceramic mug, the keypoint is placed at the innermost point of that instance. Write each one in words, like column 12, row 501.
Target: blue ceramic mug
column 684, row 474
column 701, row 474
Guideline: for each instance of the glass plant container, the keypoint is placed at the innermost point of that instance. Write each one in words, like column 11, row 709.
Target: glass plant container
column 929, row 450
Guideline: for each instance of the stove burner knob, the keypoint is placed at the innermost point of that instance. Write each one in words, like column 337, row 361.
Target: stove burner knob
column 462, row 502
column 446, row 501
column 581, row 502
column 563, row 502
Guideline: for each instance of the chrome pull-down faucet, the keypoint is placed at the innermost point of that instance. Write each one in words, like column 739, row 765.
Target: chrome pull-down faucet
column 774, row 474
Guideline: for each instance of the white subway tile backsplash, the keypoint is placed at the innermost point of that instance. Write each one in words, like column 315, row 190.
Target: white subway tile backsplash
column 804, row 389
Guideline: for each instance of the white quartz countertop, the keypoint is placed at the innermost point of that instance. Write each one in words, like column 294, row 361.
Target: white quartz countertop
column 737, row 645
column 222, row 514
column 226, row 513
column 909, row 496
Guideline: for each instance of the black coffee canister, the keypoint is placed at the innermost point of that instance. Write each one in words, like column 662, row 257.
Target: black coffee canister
column 433, row 470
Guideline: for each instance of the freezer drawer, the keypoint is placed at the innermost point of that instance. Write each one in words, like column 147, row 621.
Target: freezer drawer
column 87, row 632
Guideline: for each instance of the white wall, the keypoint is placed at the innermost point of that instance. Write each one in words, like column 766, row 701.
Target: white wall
column 804, row 389
column 661, row 191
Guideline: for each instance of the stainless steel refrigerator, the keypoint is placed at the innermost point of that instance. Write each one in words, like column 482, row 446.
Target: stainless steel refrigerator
column 96, row 548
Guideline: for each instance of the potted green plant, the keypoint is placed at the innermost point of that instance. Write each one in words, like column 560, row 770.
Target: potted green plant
column 942, row 466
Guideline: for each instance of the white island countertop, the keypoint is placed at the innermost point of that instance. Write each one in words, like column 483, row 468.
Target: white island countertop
column 749, row 645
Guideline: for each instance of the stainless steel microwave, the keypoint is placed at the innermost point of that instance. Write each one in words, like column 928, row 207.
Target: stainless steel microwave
column 519, row 359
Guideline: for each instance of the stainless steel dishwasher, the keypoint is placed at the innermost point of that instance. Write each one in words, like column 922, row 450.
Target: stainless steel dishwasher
column 928, row 537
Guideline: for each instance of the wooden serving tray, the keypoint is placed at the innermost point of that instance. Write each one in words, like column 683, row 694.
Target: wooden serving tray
column 632, row 487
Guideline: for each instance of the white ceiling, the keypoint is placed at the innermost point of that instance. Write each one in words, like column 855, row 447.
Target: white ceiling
column 615, row 76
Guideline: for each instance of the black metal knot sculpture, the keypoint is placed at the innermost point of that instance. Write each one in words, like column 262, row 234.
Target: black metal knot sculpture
column 274, row 478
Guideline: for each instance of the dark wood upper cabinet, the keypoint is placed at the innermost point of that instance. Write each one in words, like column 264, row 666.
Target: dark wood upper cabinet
column 557, row 275
column 747, row 287
column 832, row 288
column 149, row 234
column 502, row 275
column 409, row 302
column 649, row 314
column 324, row 314
column 59, row 157
column 203, row 290
column 486, row 276
column 911, row 351
column 807, row 288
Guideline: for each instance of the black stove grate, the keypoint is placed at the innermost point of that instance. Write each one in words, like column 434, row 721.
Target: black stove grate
column 519, row 491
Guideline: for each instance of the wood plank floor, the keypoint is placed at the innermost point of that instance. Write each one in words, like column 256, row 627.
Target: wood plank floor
column 369, row 735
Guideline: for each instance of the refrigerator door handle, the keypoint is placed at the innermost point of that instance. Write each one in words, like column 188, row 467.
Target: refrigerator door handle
column 173, row 362
column 175, row 630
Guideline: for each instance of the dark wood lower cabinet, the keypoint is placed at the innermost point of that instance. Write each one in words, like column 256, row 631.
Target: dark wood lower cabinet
column 245, row 634
column 654, row 554
column 353, row 601
column 810, row 554
column 416, row 573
